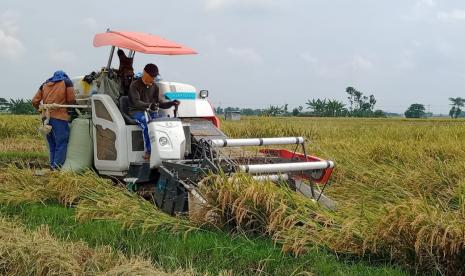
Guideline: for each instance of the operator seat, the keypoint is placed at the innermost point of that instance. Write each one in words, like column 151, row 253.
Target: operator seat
column 124, row 108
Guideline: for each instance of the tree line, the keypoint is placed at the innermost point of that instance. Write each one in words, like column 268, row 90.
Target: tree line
column 360, row 105
column 417, row 110
column 19, row 106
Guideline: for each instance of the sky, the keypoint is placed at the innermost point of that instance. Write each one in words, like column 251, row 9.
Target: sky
column 253, row 53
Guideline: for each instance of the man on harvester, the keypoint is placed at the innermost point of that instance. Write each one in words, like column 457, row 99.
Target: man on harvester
column 144, row 99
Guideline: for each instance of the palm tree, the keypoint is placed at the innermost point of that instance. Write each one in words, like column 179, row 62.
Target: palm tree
column 21, row 106
column 339, row 108
column 334, row 108
column 311, row 104
column 351, row 91
column 317, row 106
column 452, row 112
column 456, row 103
column 372, row 102
column 325, row 107
column 4, row 105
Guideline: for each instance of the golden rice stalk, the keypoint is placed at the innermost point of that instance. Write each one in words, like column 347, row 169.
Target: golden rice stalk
column 69, row 186
column 22, row 186
column 36, row 253
column 264, row 207
column 19, row 126
column 384, row 166
column 22, row 145
column 424, row 236
column 141, row 267
column 102, row 201
column 96, row 198
column 25, row 252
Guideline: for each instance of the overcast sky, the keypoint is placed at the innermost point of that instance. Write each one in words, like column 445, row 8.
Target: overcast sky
column 253, row 53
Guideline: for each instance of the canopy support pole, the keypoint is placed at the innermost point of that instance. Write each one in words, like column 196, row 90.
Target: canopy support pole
column 112, row 51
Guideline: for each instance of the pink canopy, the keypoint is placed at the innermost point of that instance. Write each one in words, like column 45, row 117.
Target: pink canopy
column 141, row 42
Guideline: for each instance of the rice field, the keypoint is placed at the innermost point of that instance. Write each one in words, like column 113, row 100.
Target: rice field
column 399, row 185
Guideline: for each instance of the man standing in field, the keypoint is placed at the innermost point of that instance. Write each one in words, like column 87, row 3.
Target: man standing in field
column 144, row 96
column 56, row 90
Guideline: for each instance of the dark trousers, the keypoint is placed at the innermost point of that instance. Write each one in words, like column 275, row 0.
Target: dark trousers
column 58, row 142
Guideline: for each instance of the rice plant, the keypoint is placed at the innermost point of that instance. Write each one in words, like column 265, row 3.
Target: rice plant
column 398, row 184
column 25, row 252
column 289, row 218
column 19, row 185
column 19, row 126
column 99, row 200
column 393, row 183
column 94, row 197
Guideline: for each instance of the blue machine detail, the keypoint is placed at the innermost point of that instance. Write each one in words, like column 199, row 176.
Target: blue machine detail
column 161, row 184
column 180, row 96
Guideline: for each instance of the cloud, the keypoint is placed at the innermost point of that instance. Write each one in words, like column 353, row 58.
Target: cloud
column 8, row 21
column 421, row 9
column 11, row 47
column 210, row 39
column 320, row 68
column 211, row 5
column 455, row 15
column 336, row 69
column 445, row 48
column 245, row 55
column 361, row 63
column 428, row 3
column 406, row 60
column 238, row 5
column 63, row 58
column 308, row 58
column 89, row 22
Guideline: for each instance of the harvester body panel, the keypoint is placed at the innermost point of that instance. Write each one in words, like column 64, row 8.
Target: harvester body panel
column 192, row 105
column 110, row 136
column 167, row 139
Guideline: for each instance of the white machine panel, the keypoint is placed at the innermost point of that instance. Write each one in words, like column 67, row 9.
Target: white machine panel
column 167, row 139
column 134, row 154
column 109, row 132
column 191, row 103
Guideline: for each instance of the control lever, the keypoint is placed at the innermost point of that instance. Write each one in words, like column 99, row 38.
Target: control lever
column 175, row 111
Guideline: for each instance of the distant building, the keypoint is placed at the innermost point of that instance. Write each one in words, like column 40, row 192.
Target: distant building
column 232, row 115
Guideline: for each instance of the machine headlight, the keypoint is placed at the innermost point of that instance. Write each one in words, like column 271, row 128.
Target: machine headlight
column 203, row 94
column 163, row 141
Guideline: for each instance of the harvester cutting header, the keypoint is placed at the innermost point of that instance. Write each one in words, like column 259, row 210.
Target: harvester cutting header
column 186, row 140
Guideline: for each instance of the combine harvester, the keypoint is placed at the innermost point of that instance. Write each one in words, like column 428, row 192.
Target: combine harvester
column 187, row 142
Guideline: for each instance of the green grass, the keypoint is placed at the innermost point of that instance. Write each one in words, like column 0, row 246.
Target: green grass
column 36, row 158
column 23, row 155
column 203, row 251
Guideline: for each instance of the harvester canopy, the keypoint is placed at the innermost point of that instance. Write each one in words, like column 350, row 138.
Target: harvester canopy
column 141, row 42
